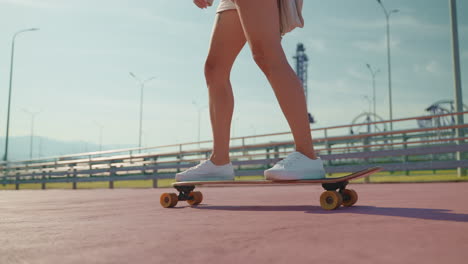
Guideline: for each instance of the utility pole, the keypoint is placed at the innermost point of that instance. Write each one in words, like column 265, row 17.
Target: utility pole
column 389, row 64
column 459, row 132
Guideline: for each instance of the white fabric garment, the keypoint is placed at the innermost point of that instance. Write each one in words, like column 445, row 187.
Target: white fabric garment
column 225, row 5
column 290, row 15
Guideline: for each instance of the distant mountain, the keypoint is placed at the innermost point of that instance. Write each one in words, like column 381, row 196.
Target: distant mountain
column 19, row 147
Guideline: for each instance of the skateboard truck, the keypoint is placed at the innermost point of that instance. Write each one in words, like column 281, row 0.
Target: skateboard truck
column 335, row 186
column 184, row 192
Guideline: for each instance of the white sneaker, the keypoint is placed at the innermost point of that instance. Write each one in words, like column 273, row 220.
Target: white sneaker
column 296, row 166
column 207, row 171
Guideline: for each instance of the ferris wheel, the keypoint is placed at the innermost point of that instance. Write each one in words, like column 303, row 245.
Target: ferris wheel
column 364, row 123
column 439, row 108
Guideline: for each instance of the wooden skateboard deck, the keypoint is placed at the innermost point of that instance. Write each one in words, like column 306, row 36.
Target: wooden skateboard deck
column 335, row 195
column 348, row 177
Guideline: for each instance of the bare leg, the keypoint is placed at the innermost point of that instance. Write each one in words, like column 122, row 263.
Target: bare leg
column 260, row 21
column 227, row 41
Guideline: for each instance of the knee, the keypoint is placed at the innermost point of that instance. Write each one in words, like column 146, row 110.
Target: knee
column 210, row 67
column 214, row 71
column 264, row 59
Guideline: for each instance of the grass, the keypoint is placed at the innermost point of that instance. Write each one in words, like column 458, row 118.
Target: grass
column 381, row 177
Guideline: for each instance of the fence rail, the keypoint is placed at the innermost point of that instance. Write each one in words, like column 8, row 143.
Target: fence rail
column 404, row 149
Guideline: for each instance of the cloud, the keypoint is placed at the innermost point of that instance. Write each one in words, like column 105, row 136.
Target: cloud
column 377, row 46
column 464, row 54
column 318, row 45
column 432, row 67
column 362, row 74
column 417, row 68
column 397, row 22
column 30, row 3
column 412, row 23
column 463, row 30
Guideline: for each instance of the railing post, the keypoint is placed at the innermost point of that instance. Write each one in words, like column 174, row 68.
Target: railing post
column 155, row 172
column 111, row 175
column 74, row 179
column 328, row 146
column 265, row 166
column 460, row 171
column 365, row 142
column 432, row 160
column 178, row 163
column 155, row 179
column 460, row 156
column 405, row 146
column 33, row 177
column 90, row 163
column 43, row 178
column 3, row 171
column 49, row 174
column 244, row 152
column 17, row 181
column 131, row 156
column 179, row 157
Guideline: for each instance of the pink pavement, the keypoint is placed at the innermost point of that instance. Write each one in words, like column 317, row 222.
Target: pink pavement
column 391, row 223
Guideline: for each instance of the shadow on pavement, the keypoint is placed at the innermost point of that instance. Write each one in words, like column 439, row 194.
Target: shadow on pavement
column 418, row 213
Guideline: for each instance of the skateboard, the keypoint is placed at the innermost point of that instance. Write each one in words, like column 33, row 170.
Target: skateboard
column 334, row 196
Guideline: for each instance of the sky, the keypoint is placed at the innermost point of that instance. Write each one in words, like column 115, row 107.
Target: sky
column 74, row 71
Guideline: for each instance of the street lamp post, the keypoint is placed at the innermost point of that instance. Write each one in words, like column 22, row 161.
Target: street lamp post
column 373, row 73
column 31, row 140
column 142, row 86
column 369, row 100
column 387, row 16
column 5, row 157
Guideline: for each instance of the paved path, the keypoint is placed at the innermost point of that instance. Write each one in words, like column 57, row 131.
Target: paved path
column 392, row 223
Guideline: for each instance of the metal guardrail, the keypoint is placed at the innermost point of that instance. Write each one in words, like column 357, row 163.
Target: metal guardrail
column 400, row 150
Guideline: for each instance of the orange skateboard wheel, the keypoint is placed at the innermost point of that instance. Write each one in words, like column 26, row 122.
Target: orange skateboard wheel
column 168, row 200
column 195, row 198
column 330, row 200
column 350, row 197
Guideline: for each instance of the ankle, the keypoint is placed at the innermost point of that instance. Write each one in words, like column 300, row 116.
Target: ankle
column 309, row 154
column 219, row 161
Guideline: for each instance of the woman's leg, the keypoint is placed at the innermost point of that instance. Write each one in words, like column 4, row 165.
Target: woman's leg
column 227, row 41
column 260, row 21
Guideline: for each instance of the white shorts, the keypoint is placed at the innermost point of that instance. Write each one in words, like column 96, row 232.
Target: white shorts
column 225, row 5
